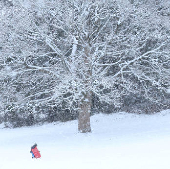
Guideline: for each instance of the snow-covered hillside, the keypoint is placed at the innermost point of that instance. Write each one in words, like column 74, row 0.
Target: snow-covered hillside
column 117, row 141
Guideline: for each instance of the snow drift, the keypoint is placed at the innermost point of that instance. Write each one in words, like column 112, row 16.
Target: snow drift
column 117, row 141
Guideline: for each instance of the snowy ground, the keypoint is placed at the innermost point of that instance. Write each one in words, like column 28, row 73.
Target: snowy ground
column 118, row 141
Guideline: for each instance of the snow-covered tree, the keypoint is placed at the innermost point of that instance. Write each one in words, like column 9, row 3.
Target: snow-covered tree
column 67, row 51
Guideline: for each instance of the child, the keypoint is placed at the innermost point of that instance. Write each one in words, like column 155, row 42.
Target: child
column 35, row 152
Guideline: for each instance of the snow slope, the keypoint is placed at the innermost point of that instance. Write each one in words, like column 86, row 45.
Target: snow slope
column 117, row 141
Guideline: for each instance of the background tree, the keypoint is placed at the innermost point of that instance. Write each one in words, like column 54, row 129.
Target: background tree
column 65, row 53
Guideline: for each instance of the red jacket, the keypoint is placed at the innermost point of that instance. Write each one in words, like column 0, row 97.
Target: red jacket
column 36, row 152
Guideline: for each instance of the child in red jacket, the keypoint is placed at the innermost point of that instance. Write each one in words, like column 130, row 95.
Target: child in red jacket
column 35, row 152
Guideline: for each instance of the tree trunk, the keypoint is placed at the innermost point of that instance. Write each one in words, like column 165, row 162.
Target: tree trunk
column 86, row 100
column 84, row 114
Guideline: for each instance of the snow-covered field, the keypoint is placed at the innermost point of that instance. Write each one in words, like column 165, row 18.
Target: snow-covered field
column 117, row 141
